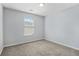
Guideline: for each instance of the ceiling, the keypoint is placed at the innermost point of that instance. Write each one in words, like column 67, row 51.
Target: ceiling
column 36, row 9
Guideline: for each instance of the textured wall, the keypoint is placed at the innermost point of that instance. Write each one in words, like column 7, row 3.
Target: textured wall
column 14, row 27
column 63, row 27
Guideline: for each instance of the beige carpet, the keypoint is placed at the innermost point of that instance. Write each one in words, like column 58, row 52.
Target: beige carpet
column 39, row 48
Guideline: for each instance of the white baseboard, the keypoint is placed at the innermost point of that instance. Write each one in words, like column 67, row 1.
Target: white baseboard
column 41, row 39
column 63, row 44
column 21, row 42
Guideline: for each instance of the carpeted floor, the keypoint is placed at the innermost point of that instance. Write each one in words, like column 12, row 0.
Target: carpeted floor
column 39, row 48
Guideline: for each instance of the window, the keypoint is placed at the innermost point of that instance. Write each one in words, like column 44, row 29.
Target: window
column 28, row 26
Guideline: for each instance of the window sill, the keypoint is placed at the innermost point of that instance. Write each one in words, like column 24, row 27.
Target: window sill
column 29, row 25
column 27, row 34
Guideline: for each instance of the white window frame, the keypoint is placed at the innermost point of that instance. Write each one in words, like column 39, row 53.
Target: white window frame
column 32, row 26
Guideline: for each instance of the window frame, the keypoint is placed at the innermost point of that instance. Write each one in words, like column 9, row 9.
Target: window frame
column 27, row 26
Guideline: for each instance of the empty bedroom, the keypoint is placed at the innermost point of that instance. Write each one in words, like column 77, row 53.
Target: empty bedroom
column 39, row 29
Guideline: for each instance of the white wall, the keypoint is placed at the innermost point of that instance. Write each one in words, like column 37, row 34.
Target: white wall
column 14, row 27
column 1, row 28
column 63, row 27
